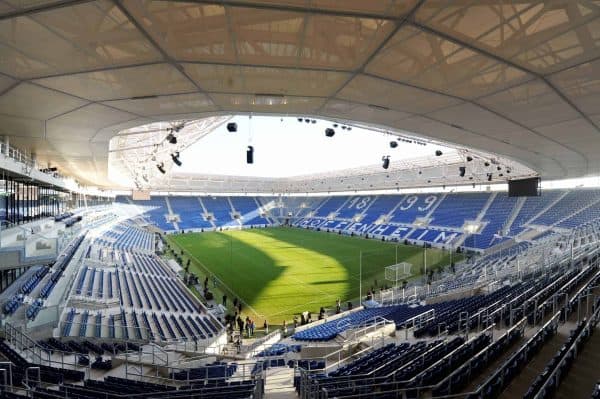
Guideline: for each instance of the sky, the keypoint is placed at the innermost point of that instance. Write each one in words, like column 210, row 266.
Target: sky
column 284, row 147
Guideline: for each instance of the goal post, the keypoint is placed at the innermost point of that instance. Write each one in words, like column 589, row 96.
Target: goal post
column 398, row 272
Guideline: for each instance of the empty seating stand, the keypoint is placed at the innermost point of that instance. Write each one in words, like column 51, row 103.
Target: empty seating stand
column 440, row 217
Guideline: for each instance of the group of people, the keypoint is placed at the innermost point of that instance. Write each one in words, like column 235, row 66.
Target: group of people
column 244, row 325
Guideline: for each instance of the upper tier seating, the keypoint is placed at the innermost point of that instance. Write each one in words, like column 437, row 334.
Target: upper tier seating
column 568, row 205
column 415, row 206
column 330, row 205
column 531, row 207
column 155, row 210
column 381, row 206
column 248, row 210
column 495, row 217
column 355, row 205
column 447, row 213
column 454, row 210
column 190, row 213
column 221, row 210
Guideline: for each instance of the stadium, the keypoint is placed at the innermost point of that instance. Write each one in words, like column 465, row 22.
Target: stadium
column 307, row 199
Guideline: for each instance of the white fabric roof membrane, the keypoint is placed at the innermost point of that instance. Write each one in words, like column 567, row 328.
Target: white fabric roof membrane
column 519, row 78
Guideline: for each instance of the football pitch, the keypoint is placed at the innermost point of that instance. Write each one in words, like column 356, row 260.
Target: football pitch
column 280, row 272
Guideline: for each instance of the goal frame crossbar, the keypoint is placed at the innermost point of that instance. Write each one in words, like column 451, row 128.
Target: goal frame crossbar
column 398, row 272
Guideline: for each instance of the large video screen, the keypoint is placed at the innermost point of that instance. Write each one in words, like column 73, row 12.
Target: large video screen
column 531, row 187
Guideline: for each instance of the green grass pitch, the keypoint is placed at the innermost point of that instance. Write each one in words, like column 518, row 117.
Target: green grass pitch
column 280, row 272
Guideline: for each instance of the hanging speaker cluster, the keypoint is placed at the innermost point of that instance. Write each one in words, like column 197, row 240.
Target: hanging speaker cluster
column 250, row 154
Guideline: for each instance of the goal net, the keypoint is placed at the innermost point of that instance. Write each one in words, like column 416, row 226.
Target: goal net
column 398, row 272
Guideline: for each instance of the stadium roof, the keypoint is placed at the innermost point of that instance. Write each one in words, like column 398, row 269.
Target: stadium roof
column 518, row 78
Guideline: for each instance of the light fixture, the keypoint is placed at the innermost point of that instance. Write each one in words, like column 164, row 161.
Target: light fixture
column 329, row 132
column 232, row 127
column 438, row 153
column 250, row 154
column 469, row 158
column 161, row 168
column 393, row 144
column 486, row 163
column 386, row 161
column 489, row 177
column 175, row 158
column 462, row 170
column 299, row 119
column 171, row 139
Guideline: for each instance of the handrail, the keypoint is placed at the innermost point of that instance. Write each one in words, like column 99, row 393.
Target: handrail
column 519, row 325
column 591, row 323
column 552, row 322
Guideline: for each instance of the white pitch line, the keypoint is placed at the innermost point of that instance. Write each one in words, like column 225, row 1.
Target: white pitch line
column 226, row 286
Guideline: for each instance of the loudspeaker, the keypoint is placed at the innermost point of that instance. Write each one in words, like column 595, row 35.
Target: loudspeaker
column 232, row 127
column 386, row 162
column 250, row 154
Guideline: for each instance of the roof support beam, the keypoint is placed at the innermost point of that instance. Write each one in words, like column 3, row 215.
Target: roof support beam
column 44, row 7
column 164, row 54
column 501, row 60
column 361, row 69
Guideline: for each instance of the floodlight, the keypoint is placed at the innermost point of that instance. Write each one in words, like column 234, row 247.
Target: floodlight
column 171, row 139
column 386, row 161
column 175, row 158
column 232, row 127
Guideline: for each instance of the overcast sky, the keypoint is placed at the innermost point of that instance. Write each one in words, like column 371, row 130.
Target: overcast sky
column 284, row 147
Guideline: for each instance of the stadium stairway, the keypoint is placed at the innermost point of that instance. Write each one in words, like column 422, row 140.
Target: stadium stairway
column 433, row 208
column 205, row 211
column 280, row 383
column 485, row 208
column 574, row 382
column 520, row 385
column 548, row 207
column 175, row 225
column 583, row 376
column 513, row 216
